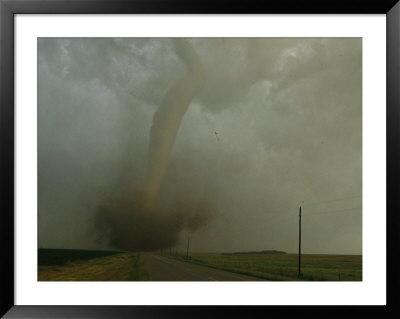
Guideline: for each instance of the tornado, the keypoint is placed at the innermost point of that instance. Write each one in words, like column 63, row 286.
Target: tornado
column 137, row 220
column 168, row 117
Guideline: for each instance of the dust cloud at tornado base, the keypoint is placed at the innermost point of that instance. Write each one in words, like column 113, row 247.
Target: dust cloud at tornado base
column 277, row 124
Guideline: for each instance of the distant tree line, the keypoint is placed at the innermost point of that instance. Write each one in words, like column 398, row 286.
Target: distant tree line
column 256, row 252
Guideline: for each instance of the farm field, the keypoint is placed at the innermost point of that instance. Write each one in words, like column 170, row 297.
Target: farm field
column 89, row 265
column 284, row 267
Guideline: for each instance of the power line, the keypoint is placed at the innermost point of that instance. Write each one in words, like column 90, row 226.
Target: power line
column 331, row 200
column 288, row 217
column 333, row 211
column 281, row 213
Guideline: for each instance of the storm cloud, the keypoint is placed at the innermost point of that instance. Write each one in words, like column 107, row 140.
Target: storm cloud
column 278, row 124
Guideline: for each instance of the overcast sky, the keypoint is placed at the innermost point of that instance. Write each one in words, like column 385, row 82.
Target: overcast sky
column 277, row 124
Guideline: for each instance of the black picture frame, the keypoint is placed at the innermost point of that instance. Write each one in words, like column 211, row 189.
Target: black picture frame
column 8, row 10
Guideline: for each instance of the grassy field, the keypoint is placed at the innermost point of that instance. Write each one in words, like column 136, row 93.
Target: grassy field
column 284, row 266
column 90, row 265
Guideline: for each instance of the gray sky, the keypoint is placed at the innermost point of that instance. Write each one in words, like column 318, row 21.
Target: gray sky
column 277, row 124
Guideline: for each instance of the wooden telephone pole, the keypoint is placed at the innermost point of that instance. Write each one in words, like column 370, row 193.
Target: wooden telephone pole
column 299, row 274
column 187, row 251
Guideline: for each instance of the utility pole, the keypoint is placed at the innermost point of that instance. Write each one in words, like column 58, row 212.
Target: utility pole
column 187, row 251
column 299, row 274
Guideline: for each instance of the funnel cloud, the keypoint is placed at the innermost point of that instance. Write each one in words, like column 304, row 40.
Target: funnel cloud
column 140, row 222
column 145, row 141
column 167, row 118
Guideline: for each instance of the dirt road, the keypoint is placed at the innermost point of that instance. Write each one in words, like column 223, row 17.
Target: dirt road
column 166, row 269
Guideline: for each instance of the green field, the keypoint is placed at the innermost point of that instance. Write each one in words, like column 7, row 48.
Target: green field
column 90, row 265
column 284, row 266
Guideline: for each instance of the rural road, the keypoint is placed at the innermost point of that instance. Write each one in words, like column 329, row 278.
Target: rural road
column 166, row 269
